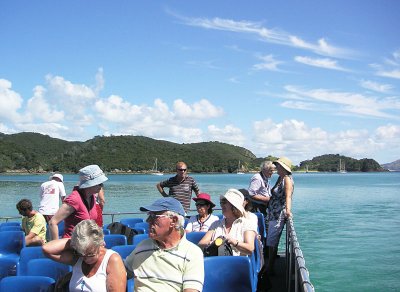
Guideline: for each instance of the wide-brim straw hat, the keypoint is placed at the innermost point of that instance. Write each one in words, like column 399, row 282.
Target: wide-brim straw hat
column 236, row 199
column 204, row 197
column 285, row 163
column 90, row 176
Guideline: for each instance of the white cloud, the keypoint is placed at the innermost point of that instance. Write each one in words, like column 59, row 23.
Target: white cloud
column 296, row 140
column 301, row 105
column 201, row 110
column 40, row 109
column 269, row 63
column 10, row 102
column 351, row 103
column 375, row 86
column 321, row 47
column 390, row 68
column 321, row 63
column 228, row 134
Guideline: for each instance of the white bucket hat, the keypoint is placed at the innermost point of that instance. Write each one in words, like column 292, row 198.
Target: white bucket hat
column 59, row 176
column 236, row 199
column 90, row 176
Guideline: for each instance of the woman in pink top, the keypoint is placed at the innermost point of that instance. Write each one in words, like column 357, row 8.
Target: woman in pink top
column 80, row 204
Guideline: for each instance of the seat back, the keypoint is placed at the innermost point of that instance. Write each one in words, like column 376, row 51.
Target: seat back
column 139, row 237
column 27, row 254
column 11, row 242
column 26, row 284
column 115, row 239
column 8, row 267
column 124, row 250
column 195, row 237
column 142, row 225
column 10, row 228
column 11, row 223
column 130, row 222
column 47, row 267
column 228, row 273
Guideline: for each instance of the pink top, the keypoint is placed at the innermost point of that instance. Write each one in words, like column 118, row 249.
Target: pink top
column 81, row 212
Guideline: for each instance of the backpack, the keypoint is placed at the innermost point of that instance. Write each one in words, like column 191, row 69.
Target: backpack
column 118, row 228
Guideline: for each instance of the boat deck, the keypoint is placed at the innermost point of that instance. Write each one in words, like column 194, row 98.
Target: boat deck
column 278, row 281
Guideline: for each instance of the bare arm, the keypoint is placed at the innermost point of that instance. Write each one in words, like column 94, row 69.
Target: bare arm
column 263, row 199
column 62, row 213
column 206, row 240
column 32, row 239
column 190, row 290
column 288, row 193
column 247, row 246
column 60, row 251
column 161, row 190
column 116, row 274
column 102, row 200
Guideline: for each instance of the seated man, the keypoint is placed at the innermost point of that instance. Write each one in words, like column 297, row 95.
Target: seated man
column 33, row 223
column 166, row 261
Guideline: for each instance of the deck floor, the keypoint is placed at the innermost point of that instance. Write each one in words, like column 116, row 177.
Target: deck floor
column 277, row 283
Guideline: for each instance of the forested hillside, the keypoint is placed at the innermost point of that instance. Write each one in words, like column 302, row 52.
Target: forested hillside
column 35, row 153
column 32, row 152
column 330, row 163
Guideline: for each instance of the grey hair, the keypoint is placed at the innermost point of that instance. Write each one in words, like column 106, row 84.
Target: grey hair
column 85, row 234
column 181, row 219
column 267, row 165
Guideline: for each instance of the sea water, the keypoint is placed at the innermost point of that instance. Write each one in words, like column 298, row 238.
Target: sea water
column 347, row 224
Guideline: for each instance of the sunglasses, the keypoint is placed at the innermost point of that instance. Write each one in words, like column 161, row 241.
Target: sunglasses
column 92, row 255
column 223, row 202
column 153, row 217
column 201, row 204
column 181, row 169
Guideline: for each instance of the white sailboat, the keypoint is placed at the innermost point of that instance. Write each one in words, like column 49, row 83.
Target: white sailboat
column 239, row 169
column 155, row 170
column 342, row 166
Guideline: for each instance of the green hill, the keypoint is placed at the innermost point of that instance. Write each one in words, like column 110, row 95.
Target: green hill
column 330, row 163
column 36, row 153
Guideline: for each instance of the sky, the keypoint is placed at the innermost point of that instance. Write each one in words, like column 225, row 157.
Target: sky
column 283, row 78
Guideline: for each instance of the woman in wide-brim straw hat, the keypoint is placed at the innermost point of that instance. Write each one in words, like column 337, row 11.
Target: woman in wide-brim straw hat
column 81, row 203
column 279, row 208
column 234, row 227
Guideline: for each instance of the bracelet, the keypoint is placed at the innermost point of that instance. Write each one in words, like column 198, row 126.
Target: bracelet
column 237, row 243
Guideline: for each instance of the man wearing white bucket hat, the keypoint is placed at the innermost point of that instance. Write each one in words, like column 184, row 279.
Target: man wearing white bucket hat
column 80, row 204
column 237, row 230
column 50, row 194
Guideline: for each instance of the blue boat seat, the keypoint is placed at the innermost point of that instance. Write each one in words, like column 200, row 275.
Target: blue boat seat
column 8, row 267
column 194, row 236
column 27, row 254
column 10, row 228
column 130, row 222
column 115, row 239
column 124, row 250
column 26, row 284
column 11, row 223
column 142, row 226
column 139, row 237
column 228, row 273
column 47, row 267
column 262, row 230
column 11, row 244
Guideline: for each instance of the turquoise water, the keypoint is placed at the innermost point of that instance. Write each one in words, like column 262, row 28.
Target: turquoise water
column 347, row 224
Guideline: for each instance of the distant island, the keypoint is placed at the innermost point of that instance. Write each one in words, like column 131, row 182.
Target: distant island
column 37, row 153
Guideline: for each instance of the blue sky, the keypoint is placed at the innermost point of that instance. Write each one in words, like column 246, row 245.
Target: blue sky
column 283, row 78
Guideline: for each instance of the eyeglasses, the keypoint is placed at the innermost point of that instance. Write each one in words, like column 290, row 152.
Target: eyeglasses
column 153, row 217
column 91, row 255
column 223, row 202
column 181, row 169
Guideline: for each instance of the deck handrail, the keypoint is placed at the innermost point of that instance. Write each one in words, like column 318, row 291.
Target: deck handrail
column 296, row 270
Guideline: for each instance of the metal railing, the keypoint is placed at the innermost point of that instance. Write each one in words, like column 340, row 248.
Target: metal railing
column 297, row 275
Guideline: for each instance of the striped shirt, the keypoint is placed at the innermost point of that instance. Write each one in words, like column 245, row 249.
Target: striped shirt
column 174, row 269
column 181, row 190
